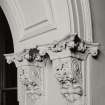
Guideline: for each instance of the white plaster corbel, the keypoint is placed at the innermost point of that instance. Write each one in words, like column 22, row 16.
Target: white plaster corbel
column 67, row 56
column 73, row 46
column 30, row 65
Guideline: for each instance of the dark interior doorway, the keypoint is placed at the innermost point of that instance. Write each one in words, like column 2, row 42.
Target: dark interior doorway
column 8, row 73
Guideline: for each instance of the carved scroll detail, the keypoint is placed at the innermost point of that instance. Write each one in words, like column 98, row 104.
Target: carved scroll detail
column 69, row 77
column 31, row 79
column 30, row 82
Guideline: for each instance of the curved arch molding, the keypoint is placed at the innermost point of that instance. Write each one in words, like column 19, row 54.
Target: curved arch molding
column 79, row 19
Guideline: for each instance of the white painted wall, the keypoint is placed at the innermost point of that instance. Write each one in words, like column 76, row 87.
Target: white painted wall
column 98, row 65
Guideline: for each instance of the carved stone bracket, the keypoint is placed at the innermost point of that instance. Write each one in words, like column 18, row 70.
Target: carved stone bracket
column 30, row 66
column 67, row 56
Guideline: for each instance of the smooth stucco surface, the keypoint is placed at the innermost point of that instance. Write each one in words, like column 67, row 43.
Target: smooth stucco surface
column 97, row 70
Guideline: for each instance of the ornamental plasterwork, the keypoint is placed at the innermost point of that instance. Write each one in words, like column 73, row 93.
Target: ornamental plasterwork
column 73, row 46
column 67, row 56
column 69, row 76
column 31, row 79
column 70, row 52
column 30, row 65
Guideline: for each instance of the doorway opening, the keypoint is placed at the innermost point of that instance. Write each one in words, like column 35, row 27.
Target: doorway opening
column 8, row 73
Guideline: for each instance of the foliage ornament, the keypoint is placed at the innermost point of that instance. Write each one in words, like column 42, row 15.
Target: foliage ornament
column 67, row 56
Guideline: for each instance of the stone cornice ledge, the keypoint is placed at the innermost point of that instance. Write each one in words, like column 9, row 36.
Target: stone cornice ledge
column 70, row 46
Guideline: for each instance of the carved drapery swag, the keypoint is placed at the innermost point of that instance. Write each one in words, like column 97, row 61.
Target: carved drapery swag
column 67, row 56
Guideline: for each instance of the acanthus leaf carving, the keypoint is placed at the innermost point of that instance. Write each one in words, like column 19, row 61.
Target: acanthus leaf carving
column 69, row 77
column 77, row 47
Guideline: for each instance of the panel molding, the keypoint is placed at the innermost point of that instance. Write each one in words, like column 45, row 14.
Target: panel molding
column 43, row 26
column 15, row 13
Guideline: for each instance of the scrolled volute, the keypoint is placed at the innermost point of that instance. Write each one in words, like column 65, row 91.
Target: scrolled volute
column 77, row 47
column 31, row 55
